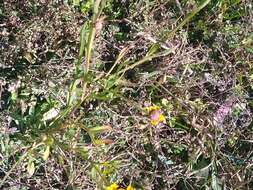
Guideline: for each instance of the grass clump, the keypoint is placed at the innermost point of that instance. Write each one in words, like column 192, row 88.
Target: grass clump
column 126, row 95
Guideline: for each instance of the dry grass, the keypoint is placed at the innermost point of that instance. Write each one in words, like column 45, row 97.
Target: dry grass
column 203, row 88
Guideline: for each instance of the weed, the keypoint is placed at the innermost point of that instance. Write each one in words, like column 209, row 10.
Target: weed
column 155, row 95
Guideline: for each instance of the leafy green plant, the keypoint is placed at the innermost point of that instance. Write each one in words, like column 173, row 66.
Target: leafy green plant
column 174, row 143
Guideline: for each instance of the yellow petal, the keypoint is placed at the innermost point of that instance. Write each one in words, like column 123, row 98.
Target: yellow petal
column 129, row 187
column 151, row 108
column 154, row 122
column 161, row 118
column 113, row 186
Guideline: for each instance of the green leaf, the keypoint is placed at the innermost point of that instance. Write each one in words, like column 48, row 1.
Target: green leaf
column 14, row 96
column 83, row 42
column 103, row 141
column 76, row 2
column 216, row 185
column 153, row 49
column 30, row 168
column 170, row 34
column 249, row 50
column 73, row 92
column 100, row 129
column 46, row 153
column 86, row 6
column 82, row 151
column 52, row 113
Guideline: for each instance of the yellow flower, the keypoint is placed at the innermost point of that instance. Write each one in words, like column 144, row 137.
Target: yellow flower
column 155, row 114
column 157, row 118
column 129, row 187
column 113, row 186
column 151, row 108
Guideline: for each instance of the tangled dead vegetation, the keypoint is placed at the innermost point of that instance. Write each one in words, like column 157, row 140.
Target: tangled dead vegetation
column 164, row 103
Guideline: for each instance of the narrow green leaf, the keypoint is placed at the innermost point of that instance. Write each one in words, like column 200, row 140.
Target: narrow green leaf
column 170, row 34
column 153, row 49
column 100, row 129
column 46, row 153
column 30, row 168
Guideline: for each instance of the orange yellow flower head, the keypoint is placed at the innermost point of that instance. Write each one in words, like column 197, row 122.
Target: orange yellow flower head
column 155, row 115
column 113, row 186
column 129, row 187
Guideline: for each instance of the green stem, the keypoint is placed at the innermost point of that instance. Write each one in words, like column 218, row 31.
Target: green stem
column 170, row 34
